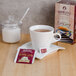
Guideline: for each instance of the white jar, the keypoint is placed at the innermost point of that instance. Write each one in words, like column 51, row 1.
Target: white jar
column 11, row 33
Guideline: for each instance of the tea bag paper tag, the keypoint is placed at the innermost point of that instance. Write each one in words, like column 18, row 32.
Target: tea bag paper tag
column 42, row 50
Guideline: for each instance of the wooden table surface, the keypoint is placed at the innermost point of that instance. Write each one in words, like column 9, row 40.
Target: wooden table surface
column 61, row 63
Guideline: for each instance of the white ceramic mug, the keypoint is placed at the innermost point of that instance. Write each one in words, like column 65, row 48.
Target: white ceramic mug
column 43, row 39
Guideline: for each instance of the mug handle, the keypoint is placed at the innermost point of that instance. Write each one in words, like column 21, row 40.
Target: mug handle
column 55, row 38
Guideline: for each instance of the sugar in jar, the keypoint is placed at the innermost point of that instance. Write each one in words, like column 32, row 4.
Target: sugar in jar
column 11, row 33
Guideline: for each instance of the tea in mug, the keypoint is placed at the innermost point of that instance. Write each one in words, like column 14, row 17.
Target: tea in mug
column 42, row 30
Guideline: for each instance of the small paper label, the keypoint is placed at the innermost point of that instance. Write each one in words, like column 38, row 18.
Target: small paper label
column 43, row 50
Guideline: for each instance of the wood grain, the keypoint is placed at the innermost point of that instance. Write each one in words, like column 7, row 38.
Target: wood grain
column 61, row 63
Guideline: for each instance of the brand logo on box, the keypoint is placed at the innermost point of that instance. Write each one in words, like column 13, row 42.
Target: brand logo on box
column 64, row 7
column 64, row 10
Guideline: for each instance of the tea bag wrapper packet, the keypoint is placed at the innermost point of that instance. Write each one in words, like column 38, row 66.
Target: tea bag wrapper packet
column 65, row 20
column 25, row 56
column 42, row 52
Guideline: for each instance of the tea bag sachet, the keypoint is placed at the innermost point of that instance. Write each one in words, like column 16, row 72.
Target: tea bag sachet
column 52, row 49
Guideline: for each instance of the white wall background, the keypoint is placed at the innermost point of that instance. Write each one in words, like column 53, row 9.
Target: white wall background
column 41, row 11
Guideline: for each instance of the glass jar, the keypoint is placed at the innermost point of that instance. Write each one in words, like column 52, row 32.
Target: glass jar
column 11, row 33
